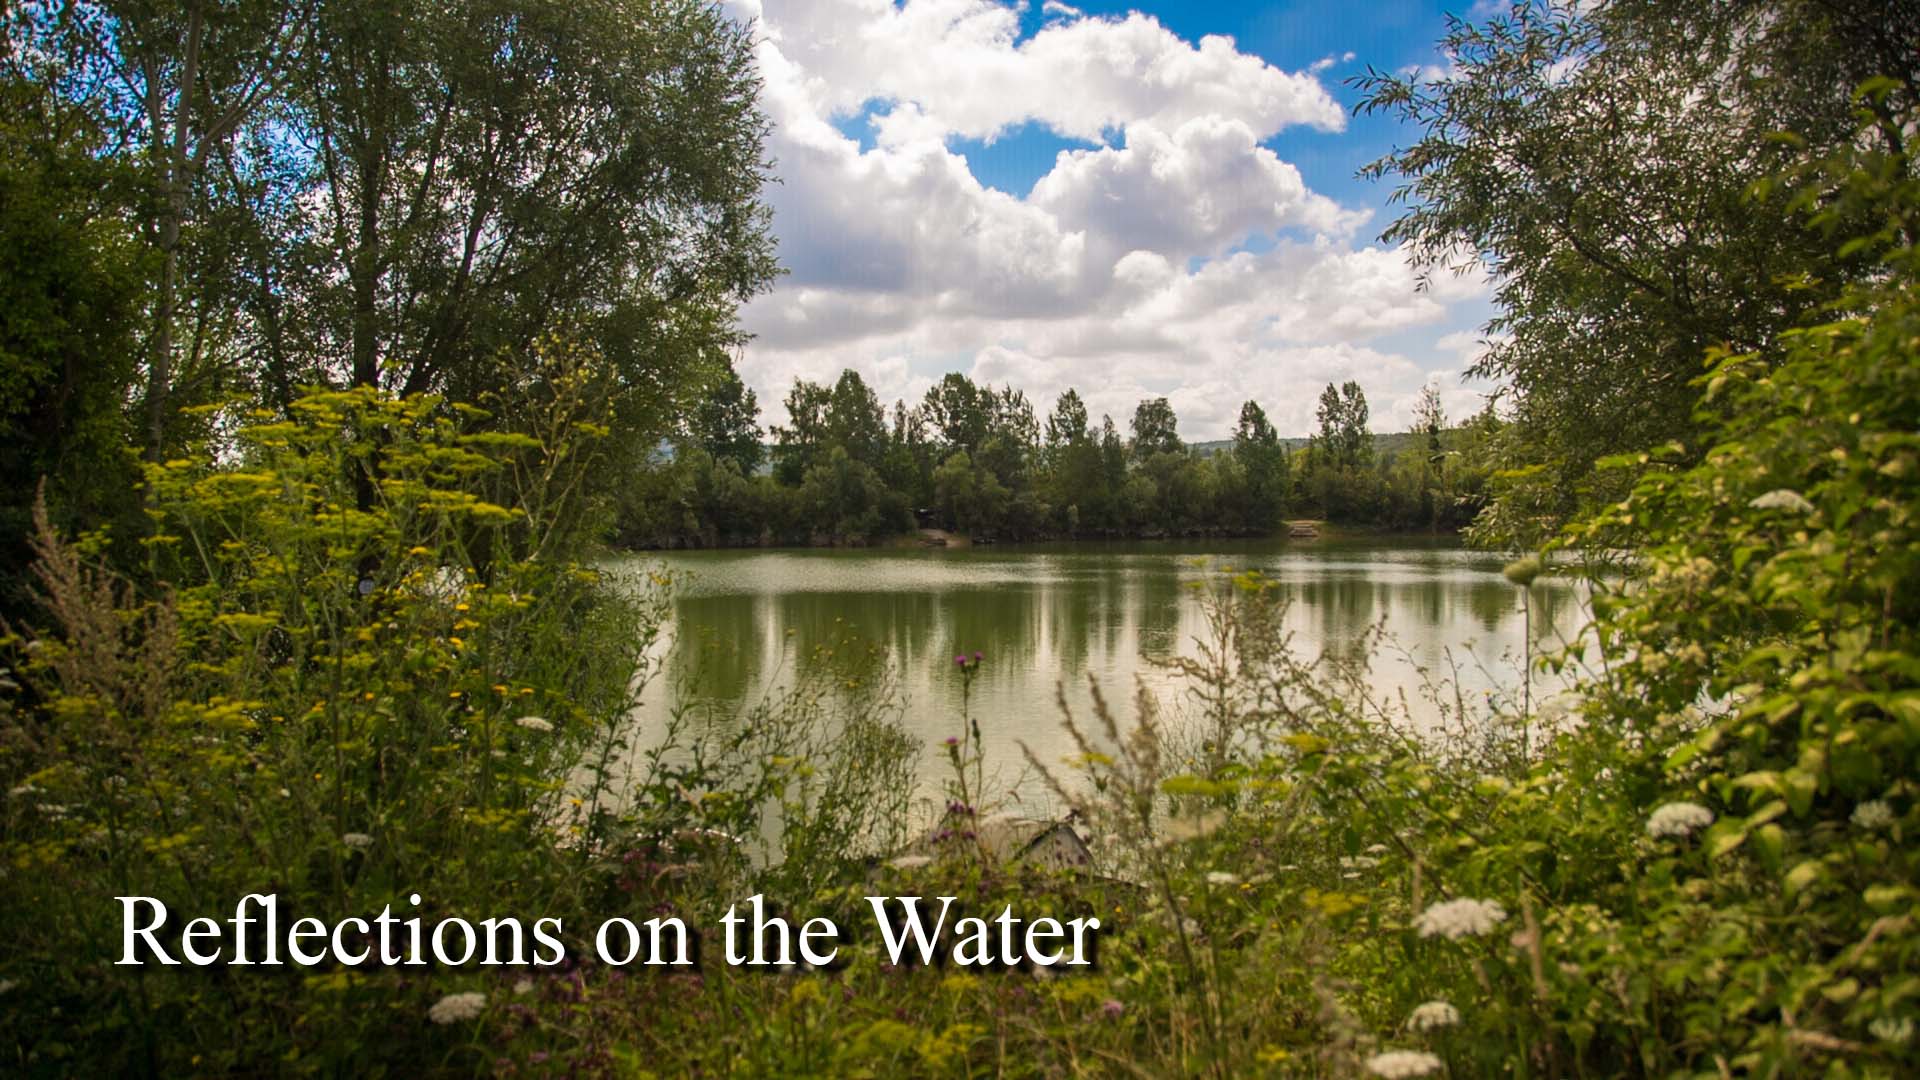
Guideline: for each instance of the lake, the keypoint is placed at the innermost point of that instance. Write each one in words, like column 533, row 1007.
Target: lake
column 1044, row 614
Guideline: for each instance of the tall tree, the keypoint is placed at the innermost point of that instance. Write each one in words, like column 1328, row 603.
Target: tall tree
column 803, row 441
column 1608, row 164
column 1343, row 440
column 1155, row 429
column 169, row 83
column 1263, row 462
column 1429, row 418
column 492, row 171
column 726, row 423
column 855, row 421
column 959, row 414
column 70, row 285
column 1067, row 425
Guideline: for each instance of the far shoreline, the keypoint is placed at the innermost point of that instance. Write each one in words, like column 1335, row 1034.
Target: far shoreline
column 950, row 540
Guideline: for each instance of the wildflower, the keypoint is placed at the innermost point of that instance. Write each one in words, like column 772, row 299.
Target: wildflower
column 523, row 987
column 6, row 985
column 1221, row 877
column 951, row 742
column 1891, row 1029
column 1678, row 819
column 1782, row 499
column 1396, row 1064
column 358, row 841
column 1112, row 1009
column 534, row 723
column 909, row 862
column 1432, row 1016
column 454, row 1008
column 1456, row 919
column 1358, row 862
column 1873, row 815
column 978, row 656
column 960, row 661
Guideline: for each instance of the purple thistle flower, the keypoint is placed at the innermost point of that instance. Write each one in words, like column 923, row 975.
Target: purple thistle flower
column 953, row 741
column 1112, row 1009
column 977, row 656
column 960, row 660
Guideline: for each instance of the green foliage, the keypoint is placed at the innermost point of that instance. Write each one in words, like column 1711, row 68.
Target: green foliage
column 1612, row 164
column 70, row 276
column 1155, row 431
column 972, row 458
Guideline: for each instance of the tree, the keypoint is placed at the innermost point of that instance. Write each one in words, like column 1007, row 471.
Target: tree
column 500, row 169
column 1067, row 426
column 1610, row 165
column 70, row 283
column 169, row 85
column 957, row 411
column 855, row 421
column 726, row 423
column 1343, row 440
column 799, row 445
column 1263, row 465
column 1155, row 430
column 1429, row 418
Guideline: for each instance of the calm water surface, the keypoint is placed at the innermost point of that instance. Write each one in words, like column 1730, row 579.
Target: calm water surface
column 1053, row 614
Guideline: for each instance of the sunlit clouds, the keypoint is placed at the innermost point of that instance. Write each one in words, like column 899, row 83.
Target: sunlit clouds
column 1170, row 249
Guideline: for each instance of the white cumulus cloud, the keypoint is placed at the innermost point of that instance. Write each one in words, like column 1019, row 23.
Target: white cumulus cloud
column 1172, row 251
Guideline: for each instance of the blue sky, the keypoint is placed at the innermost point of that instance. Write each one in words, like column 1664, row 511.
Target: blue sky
column 1391, row 35
column 1097, row 196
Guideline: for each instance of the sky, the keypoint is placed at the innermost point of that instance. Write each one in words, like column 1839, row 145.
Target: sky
column 1135, row 200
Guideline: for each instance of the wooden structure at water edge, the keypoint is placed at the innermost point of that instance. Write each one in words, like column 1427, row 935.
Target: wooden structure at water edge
column 1303, row 530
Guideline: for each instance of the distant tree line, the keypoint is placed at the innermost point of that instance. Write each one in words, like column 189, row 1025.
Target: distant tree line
column 978, row 459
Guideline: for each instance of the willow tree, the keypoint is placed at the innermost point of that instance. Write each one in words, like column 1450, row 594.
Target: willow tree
column 487, row 172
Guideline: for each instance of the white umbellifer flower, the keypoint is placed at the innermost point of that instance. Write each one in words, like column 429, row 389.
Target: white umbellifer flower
column 1221, row 877
column 1679, row 819
column 909, row 862
column 1358, row 862
column 523, row 987
column 454, row 1008
column 1433, row 1015
column 534, row 723
column 1889, row 1029
column 1398, row 1064
column 1873, row 815
column 1783, row 499
column 1456, row 919
column 358, row 841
